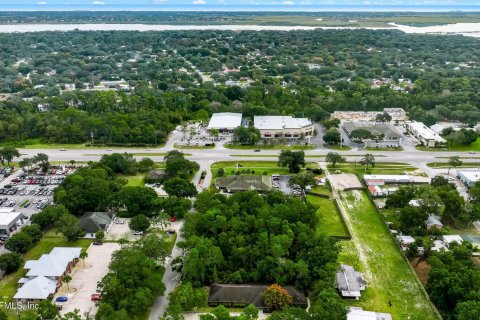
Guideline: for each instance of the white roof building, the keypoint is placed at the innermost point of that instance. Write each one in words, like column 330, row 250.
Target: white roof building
column 381, row 179
column 357, row 313
column 39, row 288
column 8, row 220
column 469, row 178
column 280, row 122
column 449, row 239
column 225, row 121
column 53, row 264
column 424, row 134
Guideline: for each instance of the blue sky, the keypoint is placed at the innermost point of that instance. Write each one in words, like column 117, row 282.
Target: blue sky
column 160, row 3
column 219, row 4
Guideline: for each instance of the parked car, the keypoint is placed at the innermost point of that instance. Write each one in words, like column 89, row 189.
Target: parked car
column 95, row 297
column 61, row 299
column 137, row 233
column 97, row 243
column 119, row 221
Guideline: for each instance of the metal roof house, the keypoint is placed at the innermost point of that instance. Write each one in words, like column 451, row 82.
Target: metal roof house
column 433, row 221
column 241, row 295
column 349, row 282
column 44, row 275
column 91, row 222
column 243, row 183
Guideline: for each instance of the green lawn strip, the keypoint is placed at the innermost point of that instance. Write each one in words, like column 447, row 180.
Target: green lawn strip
column 388, row 275
column 339, row 148
column 330, row 221
column 270, row 147
column 475, row 146
column 446, row 165
column 255, row 155
column 178, row 146
column 9, row 285
column 384, row 149
column 380, row 168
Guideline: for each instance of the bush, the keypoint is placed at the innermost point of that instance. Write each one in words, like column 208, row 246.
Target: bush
column 19, row 242
column 265, row 173
column 186, row 298
column 10, row 262
column 139, row 223
column 34, row 232
column 220, row 172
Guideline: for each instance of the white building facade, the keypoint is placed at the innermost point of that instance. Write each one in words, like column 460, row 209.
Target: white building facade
column 283, row 126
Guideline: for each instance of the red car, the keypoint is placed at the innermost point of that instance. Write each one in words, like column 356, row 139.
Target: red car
column 96, row 297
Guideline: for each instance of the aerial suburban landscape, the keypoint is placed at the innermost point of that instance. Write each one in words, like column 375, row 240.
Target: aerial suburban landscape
column 239, row 161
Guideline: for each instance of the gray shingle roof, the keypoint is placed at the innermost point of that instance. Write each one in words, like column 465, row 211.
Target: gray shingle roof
column 349, row 282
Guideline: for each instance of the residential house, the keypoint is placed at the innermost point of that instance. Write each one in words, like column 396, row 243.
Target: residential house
column 449, row 239
column 349, row 282
column 405, row 241
column 357, row 313
column 91, row 222
column 241, row 295
column 243, row 183
column 433, row 221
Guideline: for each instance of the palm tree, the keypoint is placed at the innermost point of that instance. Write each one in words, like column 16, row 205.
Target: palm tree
column 368, row 160
column 83, row 255
column 67, row 279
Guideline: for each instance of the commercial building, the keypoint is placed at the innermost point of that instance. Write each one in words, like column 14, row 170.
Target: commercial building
column 225, row 121
column 357, row 313
column 397, row 114
column 44, row 276
column 349, row 282
column 382, row 179
column 425, row 135
column 283, row 126
column 469, row 178
column 9, row 221
column 383, row 133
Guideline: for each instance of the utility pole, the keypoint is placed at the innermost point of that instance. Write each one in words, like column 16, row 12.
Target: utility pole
column 91, row 136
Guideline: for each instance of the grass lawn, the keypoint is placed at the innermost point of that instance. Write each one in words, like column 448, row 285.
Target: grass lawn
column 339, row 148
column 475, row 146
column 258, row 166
column 8, row 285
column 384, row 149
column 270, row 147
column 177, row 146
column 446, row 165
column 388, row 275
column 331, row 223
column 380, row 168
column 255, row 155
column 134, row 181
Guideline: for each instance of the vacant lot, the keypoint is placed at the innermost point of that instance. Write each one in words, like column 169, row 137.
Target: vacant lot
column 380, row 168
column 331, row 223
column 388, row 275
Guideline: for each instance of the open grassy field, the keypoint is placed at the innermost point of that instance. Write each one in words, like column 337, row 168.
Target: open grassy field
column 259, row 167
column 446, row 165
column 475, row 146
column 380, row 168
column 8, row 285
column 135, row 180
column 388, row 275
column 331, row 223
column 270, row 147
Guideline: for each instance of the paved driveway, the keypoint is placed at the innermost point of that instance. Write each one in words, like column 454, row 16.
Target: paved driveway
column 85, row 279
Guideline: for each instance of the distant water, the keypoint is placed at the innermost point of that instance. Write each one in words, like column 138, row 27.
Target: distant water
column 107, row 6
column 467, row 29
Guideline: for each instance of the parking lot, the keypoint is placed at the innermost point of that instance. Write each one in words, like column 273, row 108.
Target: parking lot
column 196, row 135
column 85, row 278
column 29, row 193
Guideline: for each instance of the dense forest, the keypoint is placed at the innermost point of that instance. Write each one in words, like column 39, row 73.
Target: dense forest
column 58, row 86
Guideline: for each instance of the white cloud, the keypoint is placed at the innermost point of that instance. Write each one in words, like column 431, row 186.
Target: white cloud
column 221, row 1
column 98, row 3
column 288, row 3
column 199, row 2
column 159, row 1
column 42, row 2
